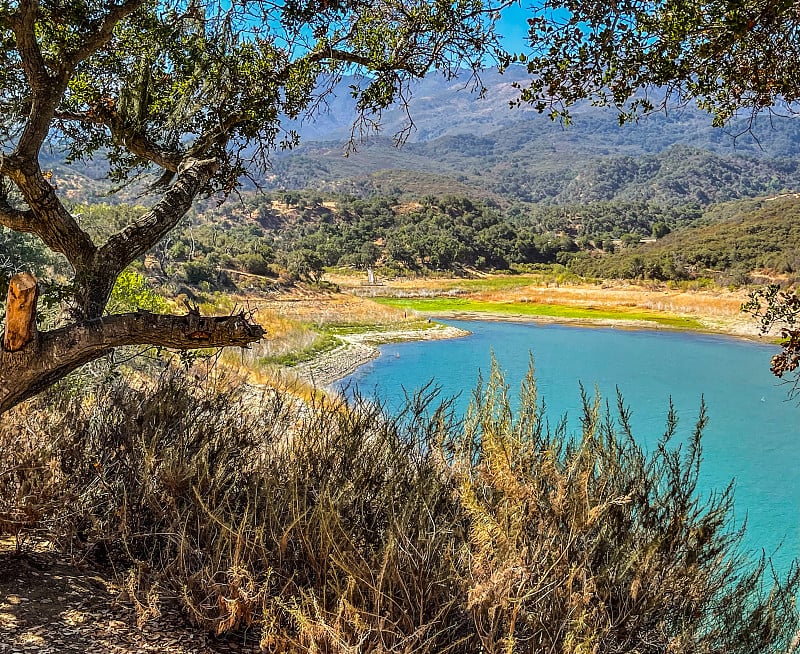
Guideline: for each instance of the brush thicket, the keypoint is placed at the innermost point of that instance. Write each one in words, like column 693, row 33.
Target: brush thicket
column 334, row 527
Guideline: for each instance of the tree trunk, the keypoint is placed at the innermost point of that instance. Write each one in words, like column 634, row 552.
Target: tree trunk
column 55, row 354
column 23, row 292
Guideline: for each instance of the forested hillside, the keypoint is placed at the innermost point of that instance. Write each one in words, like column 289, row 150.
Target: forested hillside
column 480, row 185
column 259, row 240
column 296, row 235
column 740, row 237
column 528, row 171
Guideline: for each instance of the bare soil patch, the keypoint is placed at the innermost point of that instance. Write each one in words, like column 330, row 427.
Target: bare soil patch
column 48, row 606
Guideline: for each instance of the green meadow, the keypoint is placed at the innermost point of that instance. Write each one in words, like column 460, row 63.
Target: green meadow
column 441, row 305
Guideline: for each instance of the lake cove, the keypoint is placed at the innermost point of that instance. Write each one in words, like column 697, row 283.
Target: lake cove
column 753, row 435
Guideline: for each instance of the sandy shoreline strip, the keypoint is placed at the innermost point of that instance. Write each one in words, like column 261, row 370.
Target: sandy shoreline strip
column 358, row 349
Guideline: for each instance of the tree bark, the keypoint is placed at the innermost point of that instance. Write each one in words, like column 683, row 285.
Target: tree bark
column 23, row 292
column 57, row 353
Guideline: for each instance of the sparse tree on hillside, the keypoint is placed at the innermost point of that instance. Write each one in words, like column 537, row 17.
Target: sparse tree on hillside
column 194, row 91
column 660, row 229
column 304, row 264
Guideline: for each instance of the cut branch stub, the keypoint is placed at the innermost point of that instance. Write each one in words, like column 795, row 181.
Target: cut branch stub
column 23, row 292
column 24, row 374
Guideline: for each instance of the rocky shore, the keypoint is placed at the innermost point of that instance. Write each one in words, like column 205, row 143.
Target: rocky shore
column 359, row 349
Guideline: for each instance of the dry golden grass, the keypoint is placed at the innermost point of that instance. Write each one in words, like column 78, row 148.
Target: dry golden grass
column 295, row 321
column 341, row 528
column 699, row 303
column 718, row 308
column 327, row 308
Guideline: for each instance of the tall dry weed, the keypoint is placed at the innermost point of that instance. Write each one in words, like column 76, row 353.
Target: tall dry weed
column 590, row 544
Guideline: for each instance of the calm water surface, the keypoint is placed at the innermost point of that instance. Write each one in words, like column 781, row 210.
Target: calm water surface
column 753, row 435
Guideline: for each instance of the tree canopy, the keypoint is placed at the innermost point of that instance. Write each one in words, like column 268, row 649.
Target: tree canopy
column 193, row 94
column 636, row 55
column 728, row 56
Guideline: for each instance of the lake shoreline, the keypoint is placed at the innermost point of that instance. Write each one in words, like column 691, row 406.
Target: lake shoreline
column 357, row 350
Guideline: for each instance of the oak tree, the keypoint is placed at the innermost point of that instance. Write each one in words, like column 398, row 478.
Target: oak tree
column 193, row 93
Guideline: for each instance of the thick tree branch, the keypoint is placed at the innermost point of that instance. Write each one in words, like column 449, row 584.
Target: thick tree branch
column 141, row 146
column 7, row 164
column 57, row 353
column 23, row 292
column 46, row 89
column 38, row 124
column 138, row 237
column 52, row 222
column 95, row 276
column 343, row 56
column 17, row 219
column 24, row 23
column 134, row 140
column 48, row 86
column 216, row 137
column 103, row 33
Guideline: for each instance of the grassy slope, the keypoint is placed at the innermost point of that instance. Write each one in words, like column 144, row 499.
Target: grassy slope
column 745, row 235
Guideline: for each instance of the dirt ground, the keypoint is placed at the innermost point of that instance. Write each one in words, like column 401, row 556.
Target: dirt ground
column 48, row 606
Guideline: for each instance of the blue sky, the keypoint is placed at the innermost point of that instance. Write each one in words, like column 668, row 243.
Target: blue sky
column 513, row 26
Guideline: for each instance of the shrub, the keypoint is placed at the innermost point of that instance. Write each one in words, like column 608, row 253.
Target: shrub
column 131, row 292
column 589, row 544
column 196, row 272
column 339, row 528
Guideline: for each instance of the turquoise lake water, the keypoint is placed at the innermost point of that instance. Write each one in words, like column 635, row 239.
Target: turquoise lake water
column 753, row 435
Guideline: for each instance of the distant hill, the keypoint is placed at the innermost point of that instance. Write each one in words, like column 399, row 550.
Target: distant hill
column 441, row 108
column 526, row 172
column 484, row 148
column 564, row 192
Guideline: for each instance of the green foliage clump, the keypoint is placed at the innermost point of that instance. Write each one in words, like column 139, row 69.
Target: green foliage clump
column 18, row 253
column 131, row 292
column 446, row 233
column 340, row 528
column 780, row 308
column 323, row 342
column 726, row 57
